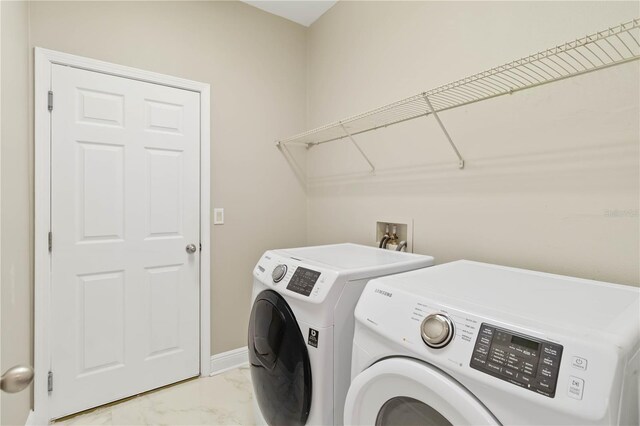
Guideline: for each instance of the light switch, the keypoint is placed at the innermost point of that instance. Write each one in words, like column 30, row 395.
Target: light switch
column 218, row 216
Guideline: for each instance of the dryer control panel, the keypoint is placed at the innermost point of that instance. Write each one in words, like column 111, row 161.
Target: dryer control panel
column 521, row 360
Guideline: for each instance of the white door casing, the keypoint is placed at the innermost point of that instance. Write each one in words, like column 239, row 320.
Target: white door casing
column 124, row 204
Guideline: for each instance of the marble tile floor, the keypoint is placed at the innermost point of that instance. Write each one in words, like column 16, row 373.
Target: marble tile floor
column 224, row 399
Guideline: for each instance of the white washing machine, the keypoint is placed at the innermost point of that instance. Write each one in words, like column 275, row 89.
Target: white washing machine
column 301, row 327
column 467, row 343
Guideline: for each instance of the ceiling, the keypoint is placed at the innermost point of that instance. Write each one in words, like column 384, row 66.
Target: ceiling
column 304, row 12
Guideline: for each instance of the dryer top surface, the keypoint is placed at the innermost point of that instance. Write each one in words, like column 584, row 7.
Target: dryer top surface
column 355, row 257
column 573, row 302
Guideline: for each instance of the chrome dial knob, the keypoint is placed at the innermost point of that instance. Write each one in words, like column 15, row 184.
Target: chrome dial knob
column 278, row 273
column 437, row 330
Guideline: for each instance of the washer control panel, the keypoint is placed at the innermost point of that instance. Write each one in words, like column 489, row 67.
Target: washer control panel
column 303, row 281
column 518, row 359
column 293, row 277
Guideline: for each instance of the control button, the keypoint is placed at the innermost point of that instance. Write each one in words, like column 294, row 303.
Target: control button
column 550, row 361
column 496, row 360
column 482, row 350
column 499, row 351
column 516, row 367
column 523, row 378
column 496, row 355
column 493, row 367
column 510, row 373
column 479, row 360
column 576, row 387
column 437, row 330
column 547, row 372
column 545, row 385
column 485, row 340
column 550, row 350
column 528, row 369
column 278, row 273
column 579, row 363
column 487, row 331
column 512, row 357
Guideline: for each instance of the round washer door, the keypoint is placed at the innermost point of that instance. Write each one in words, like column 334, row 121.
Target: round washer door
column 403, row 391
column 279, row 361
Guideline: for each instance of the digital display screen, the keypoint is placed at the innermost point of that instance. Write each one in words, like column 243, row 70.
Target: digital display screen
column 303, row 281
column 525, row 342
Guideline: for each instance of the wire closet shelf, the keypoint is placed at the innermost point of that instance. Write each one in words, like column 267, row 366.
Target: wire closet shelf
column 613, row 46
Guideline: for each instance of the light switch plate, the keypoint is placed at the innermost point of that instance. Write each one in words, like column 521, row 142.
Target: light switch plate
column 218, row 216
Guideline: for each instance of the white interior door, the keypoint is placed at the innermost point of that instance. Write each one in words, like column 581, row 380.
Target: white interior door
column 124, row 206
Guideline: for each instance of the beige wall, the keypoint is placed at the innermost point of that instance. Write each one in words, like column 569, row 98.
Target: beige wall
column 544, row 166
column 255, row 63
column 15, row 226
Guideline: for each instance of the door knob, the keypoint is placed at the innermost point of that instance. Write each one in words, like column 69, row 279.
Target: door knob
column 16, row 379
column 191, row 248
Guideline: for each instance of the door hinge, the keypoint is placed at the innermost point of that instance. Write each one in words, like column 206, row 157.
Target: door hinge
column 50, row 381
column 50, row 239
column 50, row 101
column 200, row 246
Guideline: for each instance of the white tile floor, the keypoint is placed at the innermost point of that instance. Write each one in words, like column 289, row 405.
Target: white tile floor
column 225, row 399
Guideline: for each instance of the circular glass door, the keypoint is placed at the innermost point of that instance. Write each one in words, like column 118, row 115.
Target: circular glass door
column 406, row 392
column 279, row 362
column 405, row 411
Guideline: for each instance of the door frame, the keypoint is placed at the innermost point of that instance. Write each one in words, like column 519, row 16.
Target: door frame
column 44, row 61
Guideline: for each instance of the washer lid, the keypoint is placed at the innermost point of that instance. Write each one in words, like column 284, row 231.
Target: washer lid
column 406, row 391
column 353, row 258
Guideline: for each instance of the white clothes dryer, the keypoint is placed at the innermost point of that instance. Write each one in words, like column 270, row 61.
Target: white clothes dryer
column 468, row 343
column 301, row 327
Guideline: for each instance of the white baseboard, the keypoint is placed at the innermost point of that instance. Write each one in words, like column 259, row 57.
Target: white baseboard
column 229, row 360
column 33, row 420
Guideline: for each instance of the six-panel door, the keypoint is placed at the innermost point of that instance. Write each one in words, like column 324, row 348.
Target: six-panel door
column 125, row 204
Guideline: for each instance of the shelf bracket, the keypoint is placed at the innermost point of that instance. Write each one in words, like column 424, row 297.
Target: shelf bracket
column 444, row 130
column 295, row 166
column 373, row 168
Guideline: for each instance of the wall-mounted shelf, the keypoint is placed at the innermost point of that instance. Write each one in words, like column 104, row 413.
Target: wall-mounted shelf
column 613, row 46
